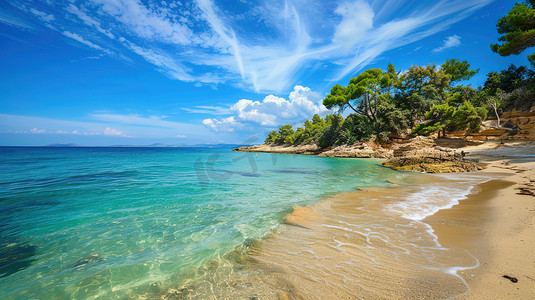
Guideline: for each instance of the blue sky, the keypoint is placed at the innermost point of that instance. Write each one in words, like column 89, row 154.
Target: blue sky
column 132, row 72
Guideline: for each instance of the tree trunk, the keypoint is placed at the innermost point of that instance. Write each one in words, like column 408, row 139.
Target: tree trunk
column 352, row 107
column 496, row 112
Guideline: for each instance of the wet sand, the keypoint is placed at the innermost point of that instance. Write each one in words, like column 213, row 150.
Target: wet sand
column 357, row 245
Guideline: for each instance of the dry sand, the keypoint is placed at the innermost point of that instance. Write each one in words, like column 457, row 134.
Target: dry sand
column 496, row 225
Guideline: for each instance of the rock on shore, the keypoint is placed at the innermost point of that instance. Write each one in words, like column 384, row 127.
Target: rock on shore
column 432, row 161
column 304, row 149
column 424, row 155
column 359, row 150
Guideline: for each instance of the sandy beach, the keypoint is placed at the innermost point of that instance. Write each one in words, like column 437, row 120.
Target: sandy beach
column 496, row 225
column 355, row 246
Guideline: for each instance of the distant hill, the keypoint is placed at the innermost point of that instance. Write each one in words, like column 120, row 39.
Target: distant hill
column 219, row 145
column 64, row 145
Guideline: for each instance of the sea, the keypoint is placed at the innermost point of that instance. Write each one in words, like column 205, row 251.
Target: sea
column 152, row 223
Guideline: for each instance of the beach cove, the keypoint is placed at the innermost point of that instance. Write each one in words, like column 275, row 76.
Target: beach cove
column 474, row 243
column 347, row 149
column 306, row 234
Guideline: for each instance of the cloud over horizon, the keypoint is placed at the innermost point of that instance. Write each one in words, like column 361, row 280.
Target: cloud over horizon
column 204, row 41
column 271, row 112
column 108, row 125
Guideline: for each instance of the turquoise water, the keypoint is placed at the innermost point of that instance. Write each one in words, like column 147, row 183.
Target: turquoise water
column 120, row 222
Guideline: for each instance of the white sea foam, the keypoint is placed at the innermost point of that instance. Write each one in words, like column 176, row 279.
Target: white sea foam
column 429, row 198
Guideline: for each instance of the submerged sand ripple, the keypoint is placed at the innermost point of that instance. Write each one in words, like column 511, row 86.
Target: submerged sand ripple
column 350, row 246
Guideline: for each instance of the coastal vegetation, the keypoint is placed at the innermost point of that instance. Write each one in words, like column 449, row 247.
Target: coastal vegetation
column 518, row 30
column 423, row 100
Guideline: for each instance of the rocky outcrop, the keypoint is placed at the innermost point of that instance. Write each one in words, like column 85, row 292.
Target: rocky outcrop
column 359, row 150
column 520, row 123
column 304, row 149
column 432, row 160
column 422, row 154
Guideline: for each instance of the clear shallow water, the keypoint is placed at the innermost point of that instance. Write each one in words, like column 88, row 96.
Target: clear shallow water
column 116, row 222
column 368, row 244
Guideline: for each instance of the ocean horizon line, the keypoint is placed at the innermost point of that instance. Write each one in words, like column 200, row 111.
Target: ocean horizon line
column 128, row 146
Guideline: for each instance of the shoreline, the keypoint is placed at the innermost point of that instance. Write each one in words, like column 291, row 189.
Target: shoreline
column 472, row 228
column 295, row 262
column 496, row 225
column 354, row 245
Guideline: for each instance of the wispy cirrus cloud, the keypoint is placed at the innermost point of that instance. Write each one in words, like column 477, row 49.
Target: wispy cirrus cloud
column 87, row 20
column 211, row 110
column 108, row 131
column 209, row 42
column 101, row 124
column 43, row 16
column 14, row 18
column 80, row 39
column 139, row 120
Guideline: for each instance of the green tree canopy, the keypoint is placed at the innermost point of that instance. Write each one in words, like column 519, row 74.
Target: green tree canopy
column 285, row 131
column 339, row 97
column 440, row 119
column 272, row 138
column 444, row 117
column 518, row 30
column 507, row 80
column 364, row 92
column 419, row 89
column 458, row 70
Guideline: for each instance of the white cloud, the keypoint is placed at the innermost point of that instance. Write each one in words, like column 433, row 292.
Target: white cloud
column 450, row 42
column 93, row 57
column 12, row 19
column 272, row 111
column 89, row 20
column 108, row 131
column 138, row 120
column 153, row 24
column 205, row 109
column 35, row 130
column 225, row 124
column 166, row 63
column 111, row 131
column 104, row 124
column 44, row 131
column 80, row 39
column 146, row 130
